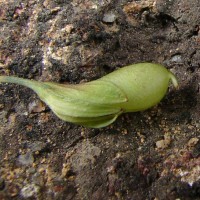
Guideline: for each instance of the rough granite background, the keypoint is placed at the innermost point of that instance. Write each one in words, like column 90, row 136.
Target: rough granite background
column 151, row 155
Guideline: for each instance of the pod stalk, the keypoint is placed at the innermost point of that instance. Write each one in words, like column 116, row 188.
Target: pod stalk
column 21, row 81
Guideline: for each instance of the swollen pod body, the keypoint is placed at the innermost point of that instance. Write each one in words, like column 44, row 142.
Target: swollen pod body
column 144, row 84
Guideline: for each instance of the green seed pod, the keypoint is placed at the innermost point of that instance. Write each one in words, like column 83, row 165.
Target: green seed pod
column 98, row 103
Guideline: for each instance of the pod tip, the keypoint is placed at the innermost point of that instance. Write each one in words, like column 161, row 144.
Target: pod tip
column 174, row 80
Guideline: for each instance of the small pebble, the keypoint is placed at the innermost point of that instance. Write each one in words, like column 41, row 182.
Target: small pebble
column 36, row 146
column 192, row 142
column 176, row 59
column 36, row 107
column 162, row 144
column 109, row 17
column 29, row 190
column 26, row 159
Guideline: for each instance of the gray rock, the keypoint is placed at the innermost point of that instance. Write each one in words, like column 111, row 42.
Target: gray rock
column 29, row 190
column 26, row 159
column 36, row 146
column 109, row 17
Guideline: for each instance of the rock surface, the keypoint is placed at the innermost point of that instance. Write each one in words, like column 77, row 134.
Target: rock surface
column 154, row 154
